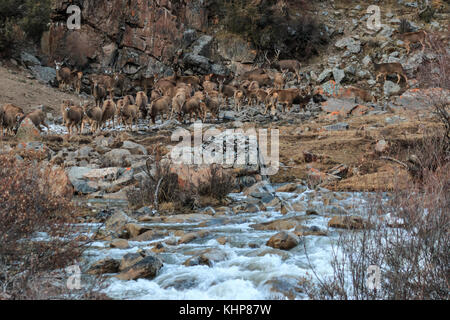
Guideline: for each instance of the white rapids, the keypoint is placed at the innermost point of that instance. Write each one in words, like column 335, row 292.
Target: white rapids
column 250, row 269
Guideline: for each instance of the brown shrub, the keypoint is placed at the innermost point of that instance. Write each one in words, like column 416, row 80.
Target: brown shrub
column 28, row 211
column 410, row 247
column 162, row 185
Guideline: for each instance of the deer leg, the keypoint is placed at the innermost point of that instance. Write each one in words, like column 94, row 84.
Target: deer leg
column 378, row 76
column 398, row 78
column 423, row 46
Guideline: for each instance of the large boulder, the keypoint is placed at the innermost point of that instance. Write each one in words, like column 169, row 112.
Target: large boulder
column 27, row 131
column 87, row 180
column 146, row 268
column 283, row 240
column 280, row 224
column 129, row 260
column 207, row 257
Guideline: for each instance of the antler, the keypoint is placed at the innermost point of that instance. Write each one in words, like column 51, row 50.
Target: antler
column 277, row 54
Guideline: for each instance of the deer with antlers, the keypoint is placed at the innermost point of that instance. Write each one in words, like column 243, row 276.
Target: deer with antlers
column 291, row 65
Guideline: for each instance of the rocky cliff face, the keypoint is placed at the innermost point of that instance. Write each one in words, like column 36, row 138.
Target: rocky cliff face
column 133, row 36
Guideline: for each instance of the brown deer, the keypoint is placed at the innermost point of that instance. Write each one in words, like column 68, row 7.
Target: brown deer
column 77, row 77
column 10, row 117
column 141, row 102
column 63, row 75
column 238, row 99
column 99, row 93
column 73, row 118
column 279, row 79
column 211, row 104
column 287, row 97
column 193, row 105
column 287, row 64
column 363, row 95
column 413, row 37
column 390, row 68
column 129, row 115
column 93, row 116
column 178, row 101
column 38, row 118
column 226, row 90
column 108, row 112
column 120, row 82
column 159, row 106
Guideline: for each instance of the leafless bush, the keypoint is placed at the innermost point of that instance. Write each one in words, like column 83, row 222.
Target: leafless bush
column 410, row 247
column 163, row 185
column 435, row 73
column 218, row 184
column 37, row 235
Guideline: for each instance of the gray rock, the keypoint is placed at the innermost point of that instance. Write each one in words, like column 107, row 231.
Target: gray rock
column 324, row 75
column 84, row 152
column 337, row 127
column 390, row 88
column 44, row 74
column 189, row 36
column 202, row 46
column 199, row 63
column 338, row 75
column 117, row 221
column 233, row 48
column 29, row 60
column 129, row 259
column 366, row 61
column 104, row 266
column 134, row 148
column 352, row 45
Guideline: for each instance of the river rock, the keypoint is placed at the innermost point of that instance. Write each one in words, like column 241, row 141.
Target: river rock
column 189, row 237
column 290, row 187
column 107, row 265
column 208, row 257
column 119, row 244
column 146, row 268
column 283, row 240
column 281, row 224
column 129, row 260
column 117, row 221
column 131, row 230
column 347, row 222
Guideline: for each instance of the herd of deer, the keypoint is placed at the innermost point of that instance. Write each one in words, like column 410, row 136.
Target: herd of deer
column 186, row 95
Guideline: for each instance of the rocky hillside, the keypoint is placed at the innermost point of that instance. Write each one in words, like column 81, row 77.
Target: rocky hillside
column 145, row 37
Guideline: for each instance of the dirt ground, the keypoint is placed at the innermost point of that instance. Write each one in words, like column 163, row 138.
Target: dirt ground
column 17, row 88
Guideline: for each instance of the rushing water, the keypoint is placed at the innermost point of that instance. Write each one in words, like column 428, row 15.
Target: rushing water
column 248, row 270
